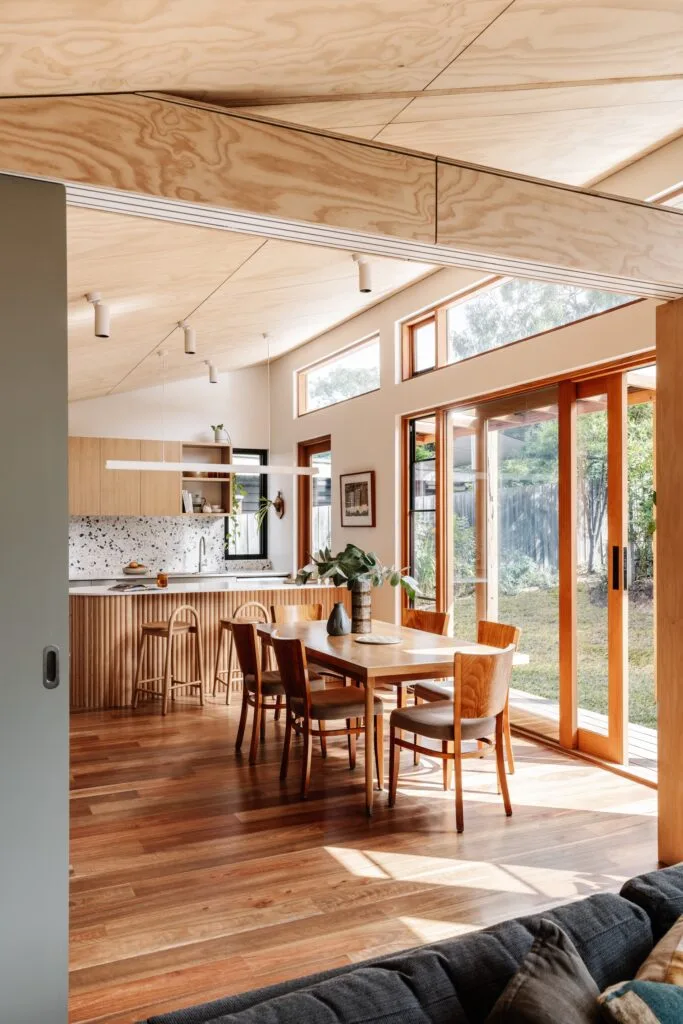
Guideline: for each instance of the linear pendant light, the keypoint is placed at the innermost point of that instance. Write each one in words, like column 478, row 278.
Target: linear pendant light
column 144, row 466
column 141, row 465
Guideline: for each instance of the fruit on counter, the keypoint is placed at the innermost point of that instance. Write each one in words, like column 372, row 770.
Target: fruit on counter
column 136, row 565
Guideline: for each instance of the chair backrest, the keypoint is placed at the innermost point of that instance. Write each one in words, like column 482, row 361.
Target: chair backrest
column 482, row 682
column 246, row 644
column 290, row 655
column 284, row 613
column 251, row 611
column 497, row 634
column 428, row 622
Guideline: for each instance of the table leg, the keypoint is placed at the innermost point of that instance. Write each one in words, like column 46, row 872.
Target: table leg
column 369, row 743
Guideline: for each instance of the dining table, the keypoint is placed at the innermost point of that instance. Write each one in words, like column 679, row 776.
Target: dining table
column 412, row 655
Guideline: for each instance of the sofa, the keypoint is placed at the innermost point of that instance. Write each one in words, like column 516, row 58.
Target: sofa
column 457, row 981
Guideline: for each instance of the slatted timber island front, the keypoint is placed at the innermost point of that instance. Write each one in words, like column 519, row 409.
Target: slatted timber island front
column 105, row 627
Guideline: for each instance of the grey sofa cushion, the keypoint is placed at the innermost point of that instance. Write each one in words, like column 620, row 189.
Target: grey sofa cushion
column 553, row 984
column 456, row 981
column 660, row 894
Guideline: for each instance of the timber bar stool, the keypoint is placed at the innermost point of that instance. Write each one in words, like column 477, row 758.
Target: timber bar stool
column 305, row 705
column 250, row 611
column 492, row 634
column 169, row 631
column 481, row 689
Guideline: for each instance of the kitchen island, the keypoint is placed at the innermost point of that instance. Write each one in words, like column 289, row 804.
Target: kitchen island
column 105, row 627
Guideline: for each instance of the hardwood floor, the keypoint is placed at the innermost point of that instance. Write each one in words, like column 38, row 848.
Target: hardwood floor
column 196, row 876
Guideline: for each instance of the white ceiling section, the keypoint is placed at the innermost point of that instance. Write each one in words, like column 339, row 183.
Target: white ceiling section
column 568, row 90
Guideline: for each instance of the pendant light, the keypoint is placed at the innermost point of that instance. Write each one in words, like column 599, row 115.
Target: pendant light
column 102, row 315
column 144, row 466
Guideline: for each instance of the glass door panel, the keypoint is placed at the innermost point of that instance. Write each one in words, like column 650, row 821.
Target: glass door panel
column 522, row 548
column 592, row 564
column 422, row 510
column 642, row 719
column 463, row 427
column 321, row 501
column 601, row 564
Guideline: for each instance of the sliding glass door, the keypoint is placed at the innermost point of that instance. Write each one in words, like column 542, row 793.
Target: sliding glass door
column 538, row 509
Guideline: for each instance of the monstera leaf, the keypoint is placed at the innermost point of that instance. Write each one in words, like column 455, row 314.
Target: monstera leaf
column 352, row 564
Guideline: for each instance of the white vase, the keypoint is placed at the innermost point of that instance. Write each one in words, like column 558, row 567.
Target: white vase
column 221, row 436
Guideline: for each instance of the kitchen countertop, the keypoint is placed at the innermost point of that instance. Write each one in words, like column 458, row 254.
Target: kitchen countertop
column 243, row 574
column 198, row 585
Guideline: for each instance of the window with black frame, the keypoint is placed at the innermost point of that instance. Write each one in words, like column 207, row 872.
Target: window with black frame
column 422, row 509
column 243, row 537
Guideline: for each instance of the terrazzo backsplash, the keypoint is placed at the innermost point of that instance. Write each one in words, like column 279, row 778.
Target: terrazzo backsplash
column 99, row 546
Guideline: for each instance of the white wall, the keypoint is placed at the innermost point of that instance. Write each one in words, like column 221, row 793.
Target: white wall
column 365, row 431
column 239, row 400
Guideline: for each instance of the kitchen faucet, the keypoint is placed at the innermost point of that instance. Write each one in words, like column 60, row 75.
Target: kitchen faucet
column 202, row 554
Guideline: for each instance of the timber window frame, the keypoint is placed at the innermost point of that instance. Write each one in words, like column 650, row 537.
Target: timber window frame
column 303, row 400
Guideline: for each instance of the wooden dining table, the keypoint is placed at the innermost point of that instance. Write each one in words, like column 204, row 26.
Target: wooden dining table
column 419, row 655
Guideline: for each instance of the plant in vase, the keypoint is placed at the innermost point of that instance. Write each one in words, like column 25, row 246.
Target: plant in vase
column 360, row 571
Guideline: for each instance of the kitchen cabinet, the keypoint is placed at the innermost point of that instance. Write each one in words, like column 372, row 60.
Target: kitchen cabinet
column 85, row 476
column 119, row 489
column 160, row 493
column 96, row 491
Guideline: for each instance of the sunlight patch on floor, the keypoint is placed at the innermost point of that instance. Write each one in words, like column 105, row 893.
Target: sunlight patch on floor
column 427, row 930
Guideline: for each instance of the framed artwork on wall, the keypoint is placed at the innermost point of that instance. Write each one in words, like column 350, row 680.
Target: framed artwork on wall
column 358, row 498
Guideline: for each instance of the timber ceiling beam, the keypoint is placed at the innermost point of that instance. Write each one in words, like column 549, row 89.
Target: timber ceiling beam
column 159, row 156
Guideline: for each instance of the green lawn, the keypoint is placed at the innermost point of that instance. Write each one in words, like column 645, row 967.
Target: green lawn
column 536, row 613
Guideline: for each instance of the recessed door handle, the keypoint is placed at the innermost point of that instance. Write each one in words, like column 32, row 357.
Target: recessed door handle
column 615, row 567
column 50, row 667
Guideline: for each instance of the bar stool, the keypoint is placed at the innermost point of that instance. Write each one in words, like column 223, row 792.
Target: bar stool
column 249, row 611
column 168, row 631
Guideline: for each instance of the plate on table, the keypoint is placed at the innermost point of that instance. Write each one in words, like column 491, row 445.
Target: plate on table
column 378, row 639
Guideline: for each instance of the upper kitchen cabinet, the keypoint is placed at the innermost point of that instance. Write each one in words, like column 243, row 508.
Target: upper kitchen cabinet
column 120, row 489
column 85, row 476
column 160, row 493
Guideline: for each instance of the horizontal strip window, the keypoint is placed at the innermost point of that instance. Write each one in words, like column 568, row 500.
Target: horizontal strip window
column 347, row 374
column 494, row 315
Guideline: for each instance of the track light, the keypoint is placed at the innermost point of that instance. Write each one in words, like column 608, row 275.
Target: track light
column 102, row 316
column 213, row 372
column 364, row 274
column 190, row 338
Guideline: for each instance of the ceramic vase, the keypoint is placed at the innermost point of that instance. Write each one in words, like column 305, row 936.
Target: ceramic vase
column 339, row 623
column 361, row 606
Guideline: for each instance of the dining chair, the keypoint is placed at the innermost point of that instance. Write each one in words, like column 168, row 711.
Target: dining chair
column 427, row 622
column 477, row 713
column 306, row 705
column 251, row 611
column 492, row 634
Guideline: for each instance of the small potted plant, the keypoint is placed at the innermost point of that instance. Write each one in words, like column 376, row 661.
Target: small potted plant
column 220, row 434
column 360, row 571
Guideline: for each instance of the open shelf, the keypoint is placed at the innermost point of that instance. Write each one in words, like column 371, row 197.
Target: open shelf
column 216, row 490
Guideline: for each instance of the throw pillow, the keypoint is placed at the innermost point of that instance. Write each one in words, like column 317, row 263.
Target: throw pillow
column 665, row 962
column 643, row 1002
column 553, row 984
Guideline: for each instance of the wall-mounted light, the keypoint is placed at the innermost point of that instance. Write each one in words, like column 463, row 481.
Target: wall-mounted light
column 190, row 336
column 213, row 372
column 102, row 316
column 364, row 272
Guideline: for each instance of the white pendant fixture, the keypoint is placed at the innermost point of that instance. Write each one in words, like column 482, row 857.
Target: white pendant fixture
column 225, row 469
column 102, row 315
column 190, row 337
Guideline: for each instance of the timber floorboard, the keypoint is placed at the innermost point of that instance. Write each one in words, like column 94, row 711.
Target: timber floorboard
column 196, row 876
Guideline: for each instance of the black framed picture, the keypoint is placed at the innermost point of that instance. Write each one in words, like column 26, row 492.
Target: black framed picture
column 358, row 498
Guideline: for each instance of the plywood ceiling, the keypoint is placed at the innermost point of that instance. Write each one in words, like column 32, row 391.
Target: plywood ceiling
column 231, row 287
column 562, row 89
column 565, row 89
